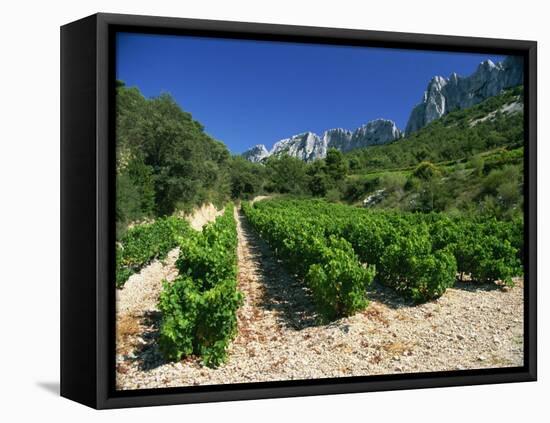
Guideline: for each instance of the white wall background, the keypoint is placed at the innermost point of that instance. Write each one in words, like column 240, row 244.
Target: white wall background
column 29, row 231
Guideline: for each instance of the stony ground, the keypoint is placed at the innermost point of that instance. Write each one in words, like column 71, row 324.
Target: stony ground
column 471, row 327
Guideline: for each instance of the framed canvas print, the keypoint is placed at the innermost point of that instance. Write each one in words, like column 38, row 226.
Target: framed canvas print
column 255, row 211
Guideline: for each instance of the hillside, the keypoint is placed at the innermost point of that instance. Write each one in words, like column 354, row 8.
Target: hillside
column 496, row 122
column 294, row 288
column 165, row 160
column 445, row 95
column 469, row 160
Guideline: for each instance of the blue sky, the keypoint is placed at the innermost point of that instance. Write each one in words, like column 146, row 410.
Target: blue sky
column 258, row 92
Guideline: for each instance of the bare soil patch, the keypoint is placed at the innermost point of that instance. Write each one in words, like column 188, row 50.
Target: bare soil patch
column 202, row 215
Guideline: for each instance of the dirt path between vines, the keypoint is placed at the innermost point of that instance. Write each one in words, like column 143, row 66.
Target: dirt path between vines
column 470, row 327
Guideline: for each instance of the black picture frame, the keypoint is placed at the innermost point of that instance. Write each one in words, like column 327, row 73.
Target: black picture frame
column 87, row 207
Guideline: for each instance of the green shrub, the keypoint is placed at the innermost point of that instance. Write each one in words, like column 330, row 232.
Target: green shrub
column 417, row 254
column 210, row 256
column 328, row 263
column 392, row 181
column 179, row 305
column 410, row 266
column 338, row 281
column 195, row 322
column 199, row 309
column 487, row 250
column 426, row 171
column 217, row 321
column 145, row 243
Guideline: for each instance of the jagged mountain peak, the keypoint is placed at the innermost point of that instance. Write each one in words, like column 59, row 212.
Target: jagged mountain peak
column 256, row 154
column 308, row 146
column 487, row 64
column 444, row 95
column 337, row 131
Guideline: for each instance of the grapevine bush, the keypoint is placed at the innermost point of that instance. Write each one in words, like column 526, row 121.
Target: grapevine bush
column 144, row 243
column 329, row 265
column 199, row 309
column 418, row 255
column 338, row 282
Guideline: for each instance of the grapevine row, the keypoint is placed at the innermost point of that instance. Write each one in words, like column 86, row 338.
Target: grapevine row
column 419, row 255
column 144, row 243
column 199, row 307
column 328, row 264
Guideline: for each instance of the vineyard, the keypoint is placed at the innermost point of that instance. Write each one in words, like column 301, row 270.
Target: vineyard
column 339, row 249
column 317, row 264
column 369, row 250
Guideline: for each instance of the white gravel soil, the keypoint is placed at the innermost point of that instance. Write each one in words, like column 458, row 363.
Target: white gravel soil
column 472, row 326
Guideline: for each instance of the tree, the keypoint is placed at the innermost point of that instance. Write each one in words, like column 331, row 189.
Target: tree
column 287, row 174
column 318, row 181
column 336, row 166
column 354, row 163
column 246, row 178
column 177, row 165
column 426, row 171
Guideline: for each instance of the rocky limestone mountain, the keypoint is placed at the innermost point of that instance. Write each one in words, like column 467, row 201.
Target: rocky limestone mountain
column 256, row 154
column 379, row 131
column 376, row 132
column 308, row 146
column 443, row 95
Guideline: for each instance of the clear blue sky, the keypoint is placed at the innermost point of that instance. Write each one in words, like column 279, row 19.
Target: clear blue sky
column 258, row 92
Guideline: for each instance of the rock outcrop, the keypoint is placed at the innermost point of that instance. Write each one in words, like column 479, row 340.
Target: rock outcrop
column 308, row 146
column 444, row 95
column 256, row 154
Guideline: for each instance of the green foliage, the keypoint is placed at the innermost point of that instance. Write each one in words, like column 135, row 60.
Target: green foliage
column 179, row 304
column 165, row 160
column 328, row 264
column 144, row 243
column 209, row 256
column 410, row 266
column 286, row 174
column 333, row 195
column 198, row 322
column 448, row 164
column 217, row 321
column 336, row 165
column 392, row 182
column 489, row 184
column 337, row 282
column 477, row 163
column 426, row 171
column 247, row 179
column 455, row 136
column 418, row 255
column 505, row 185
column 487, row 250
column 326, row 177
column 199, row 308
column 319, row 182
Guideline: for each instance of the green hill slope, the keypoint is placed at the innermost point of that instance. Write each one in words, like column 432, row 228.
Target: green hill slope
column 165, row 160
column 470, row 160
